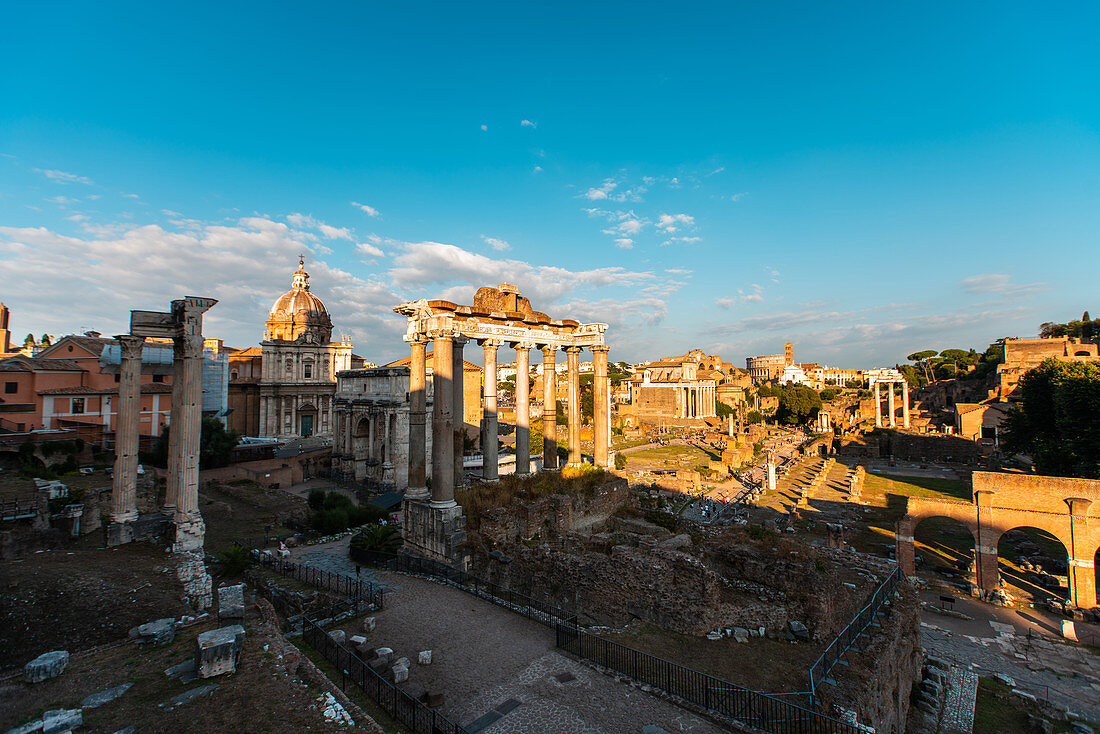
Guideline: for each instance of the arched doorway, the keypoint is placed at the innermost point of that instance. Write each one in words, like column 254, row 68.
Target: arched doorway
column 944, row 550
column 360, row 446
column 1034, row 563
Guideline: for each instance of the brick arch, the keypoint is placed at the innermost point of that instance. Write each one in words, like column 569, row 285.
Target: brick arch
column 1067, row 508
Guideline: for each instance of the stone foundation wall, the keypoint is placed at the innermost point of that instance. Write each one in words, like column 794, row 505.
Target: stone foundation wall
column 879, row 677
column 551, row 516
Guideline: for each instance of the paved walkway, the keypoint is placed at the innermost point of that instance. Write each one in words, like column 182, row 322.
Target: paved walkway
column 960, row 696
column 1065, row 674
column 500, row 673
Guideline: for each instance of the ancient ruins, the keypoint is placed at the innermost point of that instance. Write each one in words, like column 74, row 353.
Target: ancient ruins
column 499, row 316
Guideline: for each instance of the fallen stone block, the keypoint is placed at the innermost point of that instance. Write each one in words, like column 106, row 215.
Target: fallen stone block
column 98, row 699
column 424, row 657
column 188, row 696
column 60, row 721
column 384, row 653
column 231, row 601
column 378, row 665
column 798, row 630
column 45, row 666
column 357, row 640
column 415, row 691
column 217, row 651
column 158, row 632
column 433, row 699
column 368, row 624
column 337, row 636
column 401, row 662
column 400, row 673
column 740, row 634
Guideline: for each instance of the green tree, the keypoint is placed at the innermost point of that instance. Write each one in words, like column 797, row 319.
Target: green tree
column 829, row 394
column 215, row 445
column 921, row 358
column 1056, row 422
column 722, row 410
column 46, row 340
column 28, row 341
column 754, row 416
column 798, row 404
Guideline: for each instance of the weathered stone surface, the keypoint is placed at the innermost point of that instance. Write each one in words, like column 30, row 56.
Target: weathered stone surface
column 740, row 634
column 402, row 662
column 217, row 651
column 357, row 640
column 424, row 657
column 338, row 636
column 59, row 721
column 191, row 695
column 231, row 601
column 400, row 673
column 676, row 542
column 158, row 632
column 799, row 630
column 384, row 654
column 368, row 624
column 98, row 699
column 45, row 666
column 433, row 699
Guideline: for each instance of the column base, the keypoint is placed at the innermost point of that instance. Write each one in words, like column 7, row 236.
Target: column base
column 125, row 517
column 437, row 532
column 120, row 532
column 418, row 493
column 190, row 531
column 198, row 587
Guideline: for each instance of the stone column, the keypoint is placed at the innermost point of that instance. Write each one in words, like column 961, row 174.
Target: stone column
column 1082, row 567
column 457, row 378
column 127, row 428
column 489, row 443
column 443, row 465
column 523, row 409
column 417, row 438
column 549, row 408
column 905, row 404
column 573, row 361
column 188, row 500
column 601, row 416
column 263, row 417
column 174, row 478
column 878, row 407
column 890, row 403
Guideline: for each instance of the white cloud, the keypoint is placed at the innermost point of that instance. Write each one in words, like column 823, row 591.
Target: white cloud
column 738, row 196
column 484, row 128
column 999, row 284
column 536, row 169
column 368, row 250
column 670, row 223
column 681, row 241
column 130, row 196
column 528, row 123
column 370, row 210
column 306, row 221
column 624, row 243
column 600, row 192
column 772, row 273
column 497, row 244
column 62, row 200
column 64, row 177
column 76, row 217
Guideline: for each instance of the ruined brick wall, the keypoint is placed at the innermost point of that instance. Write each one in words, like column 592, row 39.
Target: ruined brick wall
column 552, row 516
column 655, row 401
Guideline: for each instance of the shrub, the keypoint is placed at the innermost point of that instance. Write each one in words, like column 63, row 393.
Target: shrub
column 379, row 539
column 234, row 561
column 620, row 461
column 663, row 519
column 331, row 521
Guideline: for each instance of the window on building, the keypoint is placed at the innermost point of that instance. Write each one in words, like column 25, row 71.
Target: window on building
column 20, row 427
column 307, row 370
column 158, row 378
column 78, row 406
column 10, row 387
column 232, row 375
column 118, row 378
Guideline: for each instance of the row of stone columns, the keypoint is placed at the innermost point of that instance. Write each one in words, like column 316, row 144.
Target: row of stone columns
column 447, row 413
column 892, row 410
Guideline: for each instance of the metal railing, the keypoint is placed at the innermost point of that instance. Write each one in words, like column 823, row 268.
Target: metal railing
column 522, row 604
column 364, row 591
column 764, row 711
column 19, row 508
column 404, row 708
column 821, row 668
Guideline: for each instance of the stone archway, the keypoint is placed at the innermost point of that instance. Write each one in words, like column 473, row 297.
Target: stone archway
column 1015, row 545
column 360, row 441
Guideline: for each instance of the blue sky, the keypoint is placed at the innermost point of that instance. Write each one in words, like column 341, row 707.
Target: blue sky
column 863, row 179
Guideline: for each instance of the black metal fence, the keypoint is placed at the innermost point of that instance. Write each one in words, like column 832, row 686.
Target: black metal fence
column 764, row 711
column 365, row 592
column 821, row 668
column 527, row 606
column 404, row 708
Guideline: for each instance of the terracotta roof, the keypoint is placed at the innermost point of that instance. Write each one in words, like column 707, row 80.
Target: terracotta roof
column 250, row 352
column 39, row 364
column 152, row 388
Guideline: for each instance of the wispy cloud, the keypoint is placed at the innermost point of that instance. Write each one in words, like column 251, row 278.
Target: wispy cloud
column 497, row 244
column 624, row 243
column 368, row 250
column 999, row 284
column 603, row 191
column 484, row 128
column 64, row 177
column 669, row 223
column 306, row 221
column 738, row 196
column 370, row 210
column 528, row 123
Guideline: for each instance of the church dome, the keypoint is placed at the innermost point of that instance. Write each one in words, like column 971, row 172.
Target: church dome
column 298, row 312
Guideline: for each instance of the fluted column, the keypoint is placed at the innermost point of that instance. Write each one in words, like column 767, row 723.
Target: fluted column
column 523, row 409
column 489, row 468
column 905, row 404
column 443, row 465
column 878, row 408
column 601, row 416
column 573, row 362
column 417, row 438
column 549, row 408
column 127, row 427
column 174, row 479
column 457, row 378
column 890, row 402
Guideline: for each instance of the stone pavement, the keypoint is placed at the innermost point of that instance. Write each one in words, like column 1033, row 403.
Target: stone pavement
column 1066, row 675
column 959, row 698
column 333, row 557
column 500, row 673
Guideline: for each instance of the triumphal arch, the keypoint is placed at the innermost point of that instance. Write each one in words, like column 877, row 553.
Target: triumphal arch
column 499, row 317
